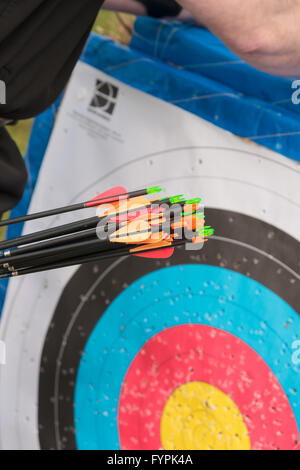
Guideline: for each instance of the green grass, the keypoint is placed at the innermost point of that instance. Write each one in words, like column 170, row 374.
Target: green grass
column 107, row 24
column 20, row 133
column 114, row 26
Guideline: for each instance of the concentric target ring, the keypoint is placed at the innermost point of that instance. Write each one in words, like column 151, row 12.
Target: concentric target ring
column 76, row 319
column 224, row 402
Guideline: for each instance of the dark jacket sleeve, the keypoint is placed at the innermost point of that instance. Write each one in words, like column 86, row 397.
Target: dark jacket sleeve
column 161, row 8
column 13, row 173
column 40, row 42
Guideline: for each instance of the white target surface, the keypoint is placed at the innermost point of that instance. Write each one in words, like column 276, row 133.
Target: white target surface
column 138, row 141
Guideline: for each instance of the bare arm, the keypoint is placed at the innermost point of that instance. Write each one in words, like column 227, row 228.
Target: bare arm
column 265, row 33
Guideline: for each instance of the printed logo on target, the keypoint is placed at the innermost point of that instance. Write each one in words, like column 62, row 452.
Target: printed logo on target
column 2, row 353
column 105, row 98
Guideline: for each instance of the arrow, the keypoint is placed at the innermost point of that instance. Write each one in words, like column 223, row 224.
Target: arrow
column 131, row 224
column 92, row 222
column 88, row 241
column 89, row 259
column 108, row 197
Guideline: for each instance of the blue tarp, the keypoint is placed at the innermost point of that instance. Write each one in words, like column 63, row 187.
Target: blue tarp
column 192, row 69
column 221, row 87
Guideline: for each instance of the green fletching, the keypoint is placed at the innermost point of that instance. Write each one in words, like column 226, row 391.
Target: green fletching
column 178, row 198
column 199, row 215
column 206, row 231
column 154, row 190
column 197, row 200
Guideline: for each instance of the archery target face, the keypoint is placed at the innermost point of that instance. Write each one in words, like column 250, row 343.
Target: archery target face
column 139, row 335
column 115, row 355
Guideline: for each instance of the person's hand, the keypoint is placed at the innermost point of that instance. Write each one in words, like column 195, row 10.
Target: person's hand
column 264, row 33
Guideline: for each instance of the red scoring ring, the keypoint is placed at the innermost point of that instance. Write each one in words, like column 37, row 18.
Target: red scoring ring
column 191, row 353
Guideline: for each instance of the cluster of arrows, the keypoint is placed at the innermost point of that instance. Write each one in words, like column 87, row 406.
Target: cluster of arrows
column 127, row 223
